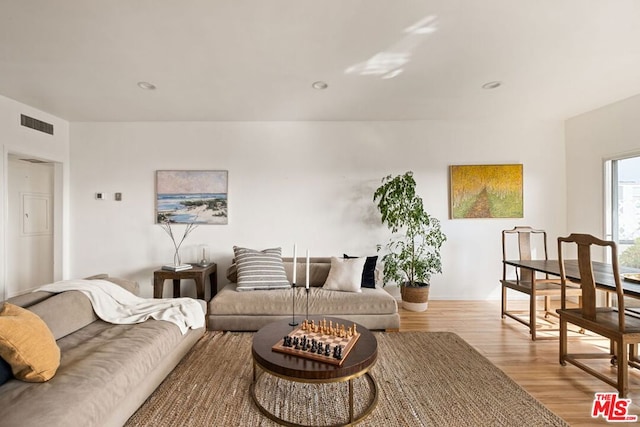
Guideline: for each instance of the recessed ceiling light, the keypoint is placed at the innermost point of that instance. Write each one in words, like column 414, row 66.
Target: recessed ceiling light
column 146, row 85
column 492, row 85
column 319, row 85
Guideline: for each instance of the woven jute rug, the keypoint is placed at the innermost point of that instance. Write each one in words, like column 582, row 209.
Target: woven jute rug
column 423, row 379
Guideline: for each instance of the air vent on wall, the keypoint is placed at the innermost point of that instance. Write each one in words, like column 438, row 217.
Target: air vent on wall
column 38, row 161
column 36, row 124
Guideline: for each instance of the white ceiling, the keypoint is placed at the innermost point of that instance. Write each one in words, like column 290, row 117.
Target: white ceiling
column 256, row 59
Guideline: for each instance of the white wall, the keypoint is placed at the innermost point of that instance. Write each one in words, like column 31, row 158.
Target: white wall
column 305, row 182
column 592, row 138
column 16, row 139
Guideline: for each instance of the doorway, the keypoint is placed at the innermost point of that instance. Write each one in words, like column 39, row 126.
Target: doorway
column 30, row 226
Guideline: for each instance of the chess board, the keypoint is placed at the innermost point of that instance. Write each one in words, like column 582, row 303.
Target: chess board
column 346, row 342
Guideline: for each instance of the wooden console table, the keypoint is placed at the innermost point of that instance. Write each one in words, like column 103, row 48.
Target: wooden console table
column 197, row 274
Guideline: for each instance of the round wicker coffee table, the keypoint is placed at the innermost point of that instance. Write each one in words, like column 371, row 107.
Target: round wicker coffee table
column 359, row 361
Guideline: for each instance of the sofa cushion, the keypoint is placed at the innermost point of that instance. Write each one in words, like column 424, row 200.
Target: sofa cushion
column 27, row 344
column 345, row 274
column 76, row 306
column 375, row 301
column 368, row 272
column 130, row 285
column 318, row 270
column 31, row 298
column 232, row 272
column 260, row 269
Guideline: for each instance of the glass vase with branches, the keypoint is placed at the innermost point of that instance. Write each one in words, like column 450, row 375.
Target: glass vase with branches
column 166, row 226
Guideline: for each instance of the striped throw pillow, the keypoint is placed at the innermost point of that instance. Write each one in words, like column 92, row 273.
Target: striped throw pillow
column 260, row 269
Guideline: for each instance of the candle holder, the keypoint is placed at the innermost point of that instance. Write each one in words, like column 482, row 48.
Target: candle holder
column 204, row 261
column 307, row 291
column 293, row 306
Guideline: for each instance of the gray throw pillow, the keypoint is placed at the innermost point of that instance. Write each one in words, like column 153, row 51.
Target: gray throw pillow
column 260, row 269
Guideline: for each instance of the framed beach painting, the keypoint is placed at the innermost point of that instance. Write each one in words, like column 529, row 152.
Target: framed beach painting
column 185, row 197
column 486, row 191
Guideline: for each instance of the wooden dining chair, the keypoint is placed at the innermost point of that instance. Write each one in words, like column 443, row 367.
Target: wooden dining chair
column 621, row 328
column 526, row 239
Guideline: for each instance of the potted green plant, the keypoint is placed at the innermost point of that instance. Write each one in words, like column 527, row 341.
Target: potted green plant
column 413, row 251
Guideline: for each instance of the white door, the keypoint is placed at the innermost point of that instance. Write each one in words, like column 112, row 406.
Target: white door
column 30, row 225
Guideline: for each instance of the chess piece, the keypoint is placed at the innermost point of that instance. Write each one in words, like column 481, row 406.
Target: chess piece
column 337, row 352
column 327, row 350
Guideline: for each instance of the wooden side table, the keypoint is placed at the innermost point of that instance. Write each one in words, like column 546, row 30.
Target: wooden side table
column 197, row 273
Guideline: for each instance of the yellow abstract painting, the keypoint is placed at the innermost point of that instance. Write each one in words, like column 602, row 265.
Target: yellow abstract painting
column 486, row 191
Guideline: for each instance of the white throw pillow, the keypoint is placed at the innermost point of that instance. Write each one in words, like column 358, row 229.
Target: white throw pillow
column 345, row 274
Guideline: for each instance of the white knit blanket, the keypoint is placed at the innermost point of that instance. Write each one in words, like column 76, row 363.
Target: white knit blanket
column 114, row 304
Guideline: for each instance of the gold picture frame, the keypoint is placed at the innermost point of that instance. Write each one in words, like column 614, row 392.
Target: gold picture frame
column 486, row 191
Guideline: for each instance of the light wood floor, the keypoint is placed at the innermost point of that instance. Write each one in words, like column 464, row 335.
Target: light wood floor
column 566, row 390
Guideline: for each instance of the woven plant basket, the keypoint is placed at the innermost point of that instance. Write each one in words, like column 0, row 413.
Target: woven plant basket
column 415, row 298
column 418, row 294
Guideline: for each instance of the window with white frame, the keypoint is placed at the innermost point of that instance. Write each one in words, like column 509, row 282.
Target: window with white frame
column 622, row 177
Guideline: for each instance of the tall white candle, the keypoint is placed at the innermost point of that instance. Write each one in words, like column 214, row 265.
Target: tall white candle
column 294, row 263
column 307, row 268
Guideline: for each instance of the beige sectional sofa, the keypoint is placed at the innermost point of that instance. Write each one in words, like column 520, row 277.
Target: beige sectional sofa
column 232, row 310
column 106, row 371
